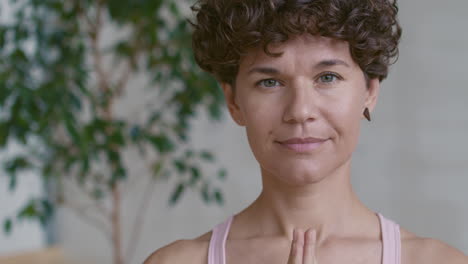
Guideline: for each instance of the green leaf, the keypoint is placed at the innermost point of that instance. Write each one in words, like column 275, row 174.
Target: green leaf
column 188, row 154
column 4, row 131
column 219, row 197
column 71, row 128
column 180, row 165
column 113, row 156
column 19, row 56
column 3, row 32
column 205, row 193
column 174, row 9
column 222, row 174
column 119, row 174
column 75, row 101
column 123, row 48
column 7, row 226
column 29, row 211
column 155, row 117
column 162, row 143
column 176, row 194
column 116, row 138
column 195, row 172
column 12, row 183
column 117, row 9
column 214, row 110
column 157, row 167
column 47, row 208
column 208, row 156
column 17, row 164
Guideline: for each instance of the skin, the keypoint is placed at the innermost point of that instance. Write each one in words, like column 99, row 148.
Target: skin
column 307, row 209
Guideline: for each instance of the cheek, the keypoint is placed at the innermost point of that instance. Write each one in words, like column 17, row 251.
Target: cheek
column 347, row 114
column 261, row 119
column 346, row 121
column 259, row 113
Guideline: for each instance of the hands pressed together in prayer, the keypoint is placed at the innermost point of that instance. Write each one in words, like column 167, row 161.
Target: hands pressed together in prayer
column 303, row 247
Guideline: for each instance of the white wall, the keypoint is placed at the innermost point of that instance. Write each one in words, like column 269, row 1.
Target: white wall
column 411, row 164
column 418, row 145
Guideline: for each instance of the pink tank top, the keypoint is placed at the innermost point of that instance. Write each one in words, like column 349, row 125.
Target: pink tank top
column 390, row 239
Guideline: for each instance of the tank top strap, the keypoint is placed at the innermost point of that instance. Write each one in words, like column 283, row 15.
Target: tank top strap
column 216, row 249
column 391, row 241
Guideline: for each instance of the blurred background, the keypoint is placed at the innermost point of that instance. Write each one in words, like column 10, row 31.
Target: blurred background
column 113, row 143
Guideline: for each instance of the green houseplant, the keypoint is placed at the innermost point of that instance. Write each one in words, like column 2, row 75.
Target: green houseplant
column 64, row 68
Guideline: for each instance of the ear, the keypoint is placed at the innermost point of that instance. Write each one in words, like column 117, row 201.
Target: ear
column 372, row 94
column 234, row 110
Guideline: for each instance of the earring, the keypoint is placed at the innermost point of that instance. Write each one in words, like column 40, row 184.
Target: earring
column 367, row 114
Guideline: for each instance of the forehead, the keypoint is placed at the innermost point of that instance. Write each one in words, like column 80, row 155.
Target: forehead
column 305, row 49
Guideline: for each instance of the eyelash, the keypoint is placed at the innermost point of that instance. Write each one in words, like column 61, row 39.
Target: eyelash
column 259, row 83
column 335, row 75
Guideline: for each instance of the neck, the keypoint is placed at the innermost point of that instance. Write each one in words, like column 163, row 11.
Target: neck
column 329, row 206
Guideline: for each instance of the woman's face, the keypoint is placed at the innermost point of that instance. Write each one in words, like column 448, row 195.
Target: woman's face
column 301, row 110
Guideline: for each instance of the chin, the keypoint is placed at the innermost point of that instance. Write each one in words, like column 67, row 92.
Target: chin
column 296, row 174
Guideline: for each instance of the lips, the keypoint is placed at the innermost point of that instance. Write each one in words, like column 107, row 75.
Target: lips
column 302, row 140
column 302, row 144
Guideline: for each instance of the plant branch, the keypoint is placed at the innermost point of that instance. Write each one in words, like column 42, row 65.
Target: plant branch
column 122, row 82
column 139, row 220
column 106, row 108
column 84, row 15
column 131, row 183
column 96, row 205
column 81, row 212
column 94, row 34
column 116, row 225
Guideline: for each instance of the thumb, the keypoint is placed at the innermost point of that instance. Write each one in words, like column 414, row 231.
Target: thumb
column 310, row 239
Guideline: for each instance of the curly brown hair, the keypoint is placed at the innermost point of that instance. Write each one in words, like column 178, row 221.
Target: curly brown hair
column 225, row 30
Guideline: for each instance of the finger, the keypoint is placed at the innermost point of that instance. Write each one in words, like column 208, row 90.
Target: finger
column 295, row 255
column 292, row 251
column 310, row 239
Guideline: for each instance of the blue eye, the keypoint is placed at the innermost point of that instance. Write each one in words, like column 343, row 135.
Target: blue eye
column 269, row 83
column 328, row 78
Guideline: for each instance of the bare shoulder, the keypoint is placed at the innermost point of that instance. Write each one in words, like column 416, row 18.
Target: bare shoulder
column 182, row 251
column 416, row 249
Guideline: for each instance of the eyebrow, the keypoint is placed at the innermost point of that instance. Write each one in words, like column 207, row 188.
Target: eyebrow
column 321, row 64
column 328, row 63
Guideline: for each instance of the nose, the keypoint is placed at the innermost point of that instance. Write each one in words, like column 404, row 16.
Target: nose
column 301, row 105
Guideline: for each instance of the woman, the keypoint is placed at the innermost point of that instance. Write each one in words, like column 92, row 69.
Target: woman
column 300, row 76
